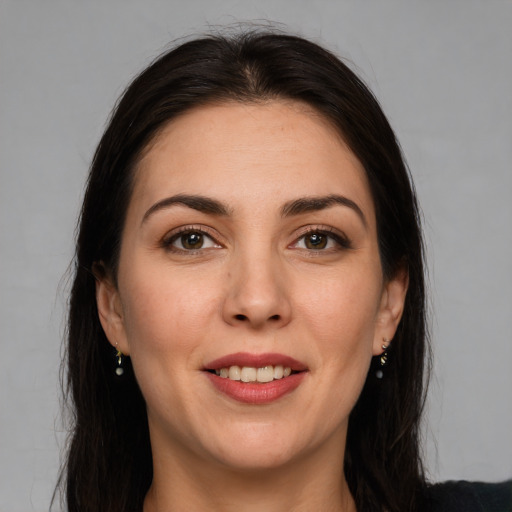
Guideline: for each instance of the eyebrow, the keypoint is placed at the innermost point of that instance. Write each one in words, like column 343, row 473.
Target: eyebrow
column 200, row 203
column 296, row 207
column 313, row 204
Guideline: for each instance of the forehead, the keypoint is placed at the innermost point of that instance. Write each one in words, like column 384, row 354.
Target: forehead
column 250, row 153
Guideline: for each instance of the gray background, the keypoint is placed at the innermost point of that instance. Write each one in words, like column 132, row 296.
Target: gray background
column 443, row 72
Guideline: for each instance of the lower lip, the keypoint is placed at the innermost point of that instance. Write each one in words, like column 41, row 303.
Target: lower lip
column 254, row 392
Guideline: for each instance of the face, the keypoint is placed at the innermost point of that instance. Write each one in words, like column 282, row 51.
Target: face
column 250, row 293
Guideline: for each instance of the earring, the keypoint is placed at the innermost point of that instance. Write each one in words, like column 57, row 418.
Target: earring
column 383, row 359
column 119, row 356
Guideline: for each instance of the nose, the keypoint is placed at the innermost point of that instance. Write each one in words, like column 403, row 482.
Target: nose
column 257, row 293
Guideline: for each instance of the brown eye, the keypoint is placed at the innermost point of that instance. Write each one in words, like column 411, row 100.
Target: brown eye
column 192, row 240
column 322, row 241
column 316, row 241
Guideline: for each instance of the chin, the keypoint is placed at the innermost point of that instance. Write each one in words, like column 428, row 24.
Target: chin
column 253, row 447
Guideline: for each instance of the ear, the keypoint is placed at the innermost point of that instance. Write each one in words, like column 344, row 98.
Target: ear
column 110, row 312
column 390, row 310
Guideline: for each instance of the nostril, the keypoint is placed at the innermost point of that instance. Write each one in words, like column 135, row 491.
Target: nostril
column 244, row 318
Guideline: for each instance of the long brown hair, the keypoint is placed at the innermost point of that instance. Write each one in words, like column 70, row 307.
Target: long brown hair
column 109, row 465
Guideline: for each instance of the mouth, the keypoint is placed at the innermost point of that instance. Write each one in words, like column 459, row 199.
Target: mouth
column 255, row 378
column 251, row 374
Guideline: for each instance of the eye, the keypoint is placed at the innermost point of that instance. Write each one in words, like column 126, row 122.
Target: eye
column 190, row 240
column 315, row 241
column 318, row 240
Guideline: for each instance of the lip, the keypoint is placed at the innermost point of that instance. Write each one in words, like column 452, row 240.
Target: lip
column 255, row 361
column 257, row 392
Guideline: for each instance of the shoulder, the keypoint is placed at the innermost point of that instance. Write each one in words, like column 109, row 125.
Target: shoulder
column 465, row 496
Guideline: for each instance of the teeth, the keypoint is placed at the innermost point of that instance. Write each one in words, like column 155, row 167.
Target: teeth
column 265, row 374
column 234, row 372
column 250, row 374
column 278, row 372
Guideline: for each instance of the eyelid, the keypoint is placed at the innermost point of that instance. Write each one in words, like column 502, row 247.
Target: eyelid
column 339, row 237
column 172, row 235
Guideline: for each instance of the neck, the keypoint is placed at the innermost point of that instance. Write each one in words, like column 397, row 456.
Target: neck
column 313, row 483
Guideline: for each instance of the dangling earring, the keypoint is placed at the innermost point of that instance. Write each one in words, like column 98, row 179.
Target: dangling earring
column 119, row 356
column 383, row 359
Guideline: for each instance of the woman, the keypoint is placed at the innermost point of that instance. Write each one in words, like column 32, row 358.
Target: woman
column 247, row 320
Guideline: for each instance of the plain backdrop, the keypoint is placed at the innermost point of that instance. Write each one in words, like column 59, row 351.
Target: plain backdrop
column 443, row 73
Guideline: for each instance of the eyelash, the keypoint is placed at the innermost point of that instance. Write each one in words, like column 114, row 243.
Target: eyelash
column 168, row 241
column 340, row 239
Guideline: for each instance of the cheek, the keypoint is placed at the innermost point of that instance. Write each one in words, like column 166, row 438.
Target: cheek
column 166, row 312
column 340, row 318
column 342, row 310
column 166, row 319
column 338, row 315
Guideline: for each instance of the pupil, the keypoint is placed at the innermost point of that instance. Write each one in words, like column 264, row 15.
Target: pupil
column 192, row 240
column 316, row 241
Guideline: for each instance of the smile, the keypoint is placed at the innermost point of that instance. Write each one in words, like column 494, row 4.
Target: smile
column 255, row 378
column 252, row 374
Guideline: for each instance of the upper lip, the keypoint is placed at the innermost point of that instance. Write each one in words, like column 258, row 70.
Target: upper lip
column 255, row 361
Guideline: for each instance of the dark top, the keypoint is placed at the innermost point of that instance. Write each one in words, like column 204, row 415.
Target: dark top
column 470, row 497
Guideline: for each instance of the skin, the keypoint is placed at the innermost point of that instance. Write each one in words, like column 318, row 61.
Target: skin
column 255, row 286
